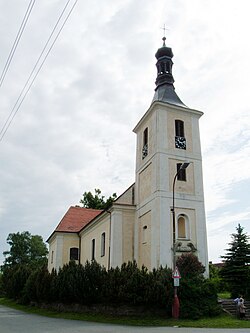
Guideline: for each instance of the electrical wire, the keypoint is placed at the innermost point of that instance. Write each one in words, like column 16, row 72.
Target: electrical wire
column 17, row 39
column 33, row 70
column 13, row 111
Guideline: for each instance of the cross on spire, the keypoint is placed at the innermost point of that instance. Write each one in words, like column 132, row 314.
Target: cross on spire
column 164, row 37
column 164, row 29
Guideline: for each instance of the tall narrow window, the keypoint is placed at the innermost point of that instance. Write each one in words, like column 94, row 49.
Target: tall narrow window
column 144, row 234
column 52, row 257
column 181, row 227
column 103, row 244
column 133, row 195
column 180, row 141
column 181, row 174
column 93, row 250
column 179, row 128
column 145, row 143
column 74, row 253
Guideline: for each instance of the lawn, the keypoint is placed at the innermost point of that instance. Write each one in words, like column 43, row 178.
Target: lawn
column 222, row 321
column 225, row 295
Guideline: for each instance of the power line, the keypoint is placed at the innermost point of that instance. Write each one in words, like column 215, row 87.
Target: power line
column 13, row 111
column 33, row 70
column 17, row 39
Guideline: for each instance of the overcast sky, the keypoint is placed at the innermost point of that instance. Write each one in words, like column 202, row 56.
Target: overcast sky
column 73, row 132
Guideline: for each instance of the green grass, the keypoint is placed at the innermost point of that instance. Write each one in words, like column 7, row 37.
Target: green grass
column 223, row 321
column 224, row 295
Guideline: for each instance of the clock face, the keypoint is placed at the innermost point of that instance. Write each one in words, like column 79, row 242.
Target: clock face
column 180, row 142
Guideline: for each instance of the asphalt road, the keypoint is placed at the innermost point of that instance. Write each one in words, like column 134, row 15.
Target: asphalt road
column 14, row 321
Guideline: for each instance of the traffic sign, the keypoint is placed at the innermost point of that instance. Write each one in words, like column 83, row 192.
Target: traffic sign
column 176, row 282
column 176, row 274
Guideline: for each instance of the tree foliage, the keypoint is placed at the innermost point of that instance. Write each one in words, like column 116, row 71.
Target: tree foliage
column 123, row 287
column 14, row 280
column 97, row 201
column 27, row 253
column 25, row 249
column 1, row 285
column 216, row 279
column 236, row 267
column 190, row 267
column 198, row 296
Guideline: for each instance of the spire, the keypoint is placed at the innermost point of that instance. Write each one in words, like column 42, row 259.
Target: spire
column 164, row 65
column 164, row 90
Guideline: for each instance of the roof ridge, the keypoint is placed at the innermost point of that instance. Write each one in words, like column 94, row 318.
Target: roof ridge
column 86, row 208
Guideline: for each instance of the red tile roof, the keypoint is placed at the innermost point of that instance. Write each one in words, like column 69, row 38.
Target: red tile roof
column 76, row 218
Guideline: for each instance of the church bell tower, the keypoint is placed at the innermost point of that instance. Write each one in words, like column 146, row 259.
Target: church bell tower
column 168, row 136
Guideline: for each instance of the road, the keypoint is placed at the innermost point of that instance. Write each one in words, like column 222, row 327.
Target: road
column 14, row 321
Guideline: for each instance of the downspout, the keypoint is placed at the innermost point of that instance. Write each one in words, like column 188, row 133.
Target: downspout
column 109, row 238
column 79, row 253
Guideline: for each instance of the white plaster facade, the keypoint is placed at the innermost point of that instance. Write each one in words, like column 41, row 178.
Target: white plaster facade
column 59, row 249
column 154, row 185
column 139, row 225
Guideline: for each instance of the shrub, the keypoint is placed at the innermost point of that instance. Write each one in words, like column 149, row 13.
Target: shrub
column 92, row 280
column 14, row 280
column 79, row 284
column 1, row 285
column 198, row 296
column 128, row 285
column 38, row 287
column 160, row 289
column 133, row 286
column 67, row 283
column 133, row 283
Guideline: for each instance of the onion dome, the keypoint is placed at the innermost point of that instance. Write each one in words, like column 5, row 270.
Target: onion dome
column 165, row 91
column 164, row 51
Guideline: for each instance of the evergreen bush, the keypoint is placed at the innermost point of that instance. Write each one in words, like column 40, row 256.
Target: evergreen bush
column 236, row 269
column 159, row 292
column 30, row 293
column 198, row 296
column 93, row 277
column 133, row 283
column 111, row 286
column 1, row 285
column 128, row 285
column 67, row 283
column 14, row 280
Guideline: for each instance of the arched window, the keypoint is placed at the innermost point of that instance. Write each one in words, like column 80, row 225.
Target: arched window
column 180, row 141
column 93, row 250
column 74, row 253
column 145, row 143
column 103, row 244
column 52, row 257
column 181, row 174
column 183, row 227
column 144, row 234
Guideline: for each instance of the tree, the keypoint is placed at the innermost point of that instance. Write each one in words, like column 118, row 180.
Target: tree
column 97, row 201
column 189, row 266
column 25, row 249
column 197, row 295
column 216, row 279
column 237, row 264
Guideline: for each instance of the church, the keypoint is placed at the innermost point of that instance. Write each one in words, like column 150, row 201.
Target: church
column 162, row 214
